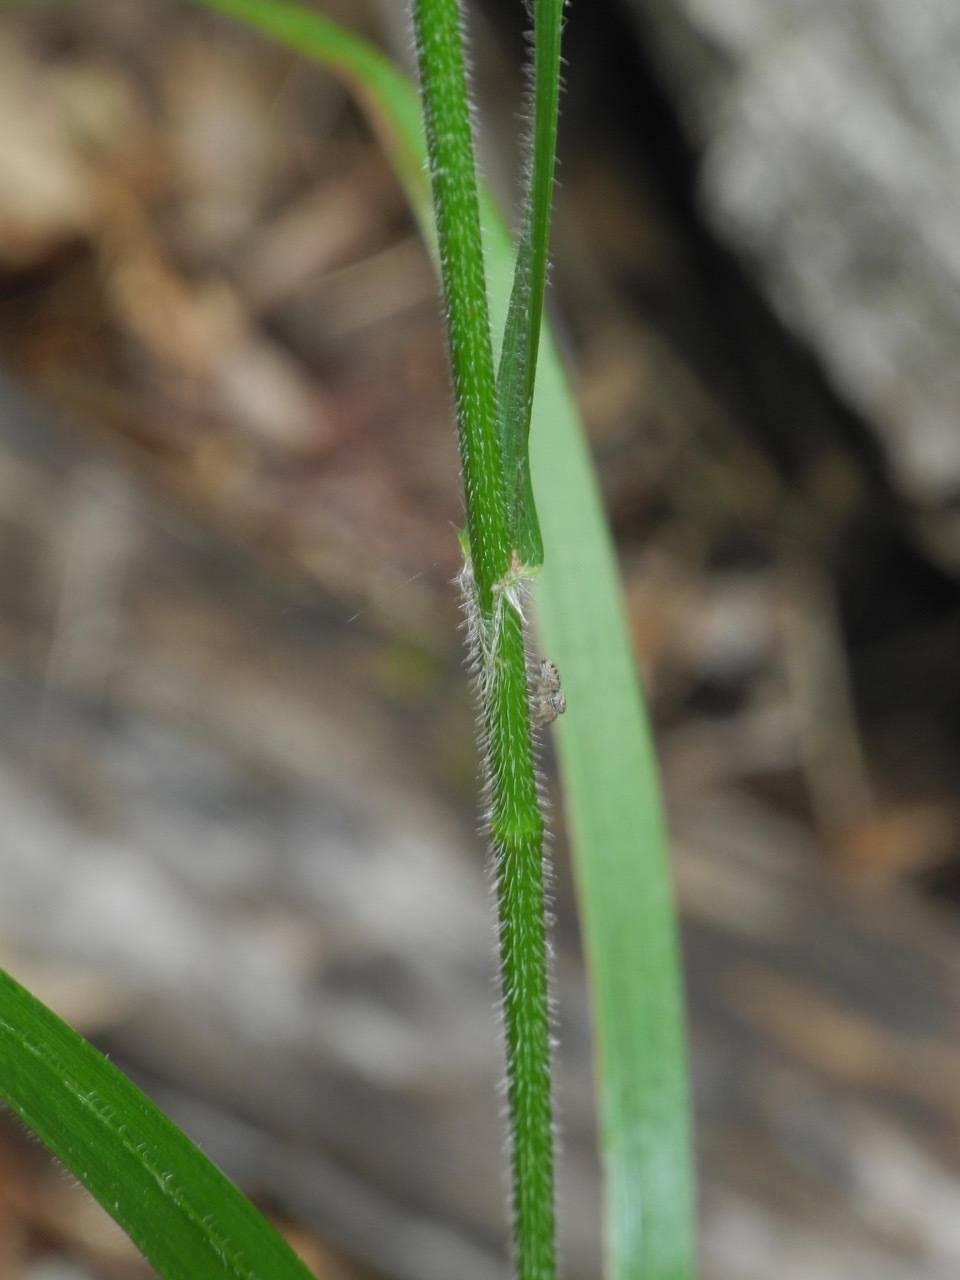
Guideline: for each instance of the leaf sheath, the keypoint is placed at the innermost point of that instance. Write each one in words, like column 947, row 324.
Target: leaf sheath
column 453, row 174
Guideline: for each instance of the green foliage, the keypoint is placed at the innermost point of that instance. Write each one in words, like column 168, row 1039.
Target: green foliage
column 185, row 1216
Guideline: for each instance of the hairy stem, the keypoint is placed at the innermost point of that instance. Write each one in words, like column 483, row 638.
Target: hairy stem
column 491, row 585
column 517, row 829
column 446, row 115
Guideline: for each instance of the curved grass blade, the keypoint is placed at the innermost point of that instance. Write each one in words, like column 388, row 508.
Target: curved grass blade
column 184, row 1215
column 607, row 762
column 521, row 339
column 612, row 803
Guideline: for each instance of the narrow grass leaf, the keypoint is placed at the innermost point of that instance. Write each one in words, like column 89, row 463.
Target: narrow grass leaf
column 612, row 803
column 521, row 339
column 608, row 766
column 183, row 1214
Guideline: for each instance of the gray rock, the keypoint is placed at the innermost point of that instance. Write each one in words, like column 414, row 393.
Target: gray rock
column 829, row 140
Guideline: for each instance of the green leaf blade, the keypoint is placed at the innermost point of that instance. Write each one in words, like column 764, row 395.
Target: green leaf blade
column 513, row 415
column 184, row 1215
column 521, row 340
column 613, row 809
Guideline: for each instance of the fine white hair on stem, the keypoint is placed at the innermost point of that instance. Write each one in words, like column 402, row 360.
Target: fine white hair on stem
column 483, row 637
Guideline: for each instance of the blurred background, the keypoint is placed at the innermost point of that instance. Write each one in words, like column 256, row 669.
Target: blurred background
column 237, row 773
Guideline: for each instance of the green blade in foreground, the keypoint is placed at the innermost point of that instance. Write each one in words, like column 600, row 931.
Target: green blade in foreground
column 184, row 1215
column 609, row 771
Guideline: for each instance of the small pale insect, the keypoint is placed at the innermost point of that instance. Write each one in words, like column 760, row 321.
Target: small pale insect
column 546, row 695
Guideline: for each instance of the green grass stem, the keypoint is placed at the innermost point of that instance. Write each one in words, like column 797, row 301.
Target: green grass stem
column 492, row 583
column 446, row 113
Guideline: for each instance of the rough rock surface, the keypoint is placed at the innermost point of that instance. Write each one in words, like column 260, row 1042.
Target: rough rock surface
column 829, row 145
